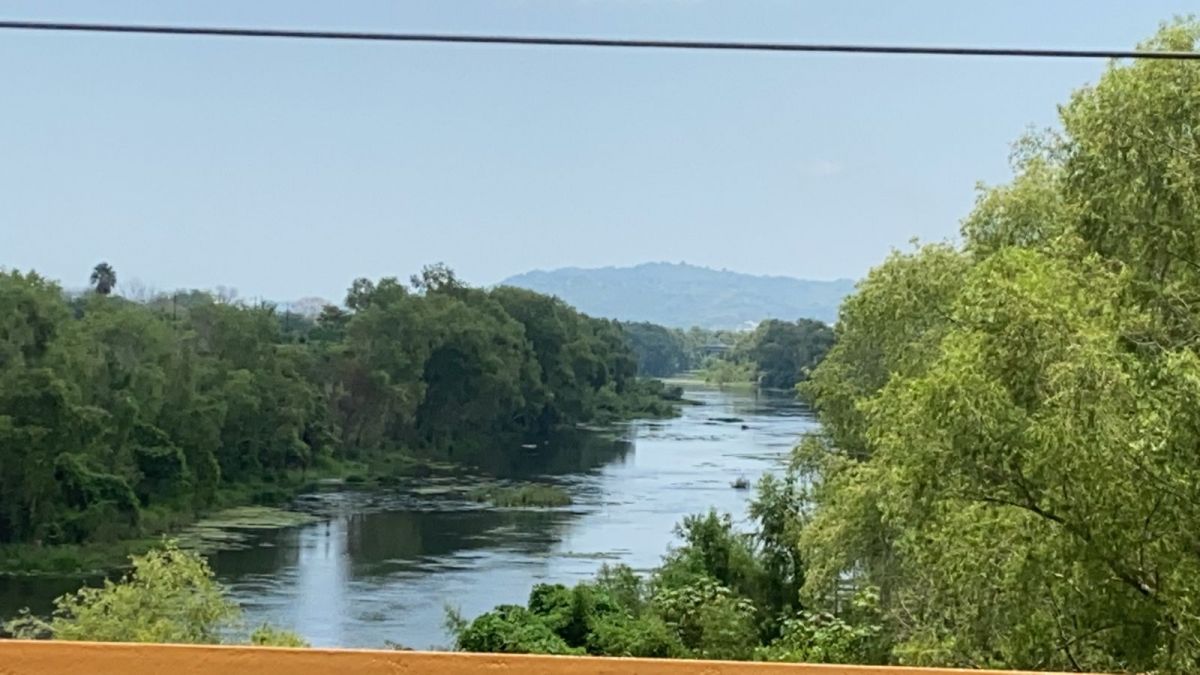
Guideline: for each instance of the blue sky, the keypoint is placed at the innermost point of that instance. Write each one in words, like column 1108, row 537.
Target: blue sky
column 287, row 168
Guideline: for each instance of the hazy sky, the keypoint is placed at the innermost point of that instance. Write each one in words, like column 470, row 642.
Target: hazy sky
column 287, row 168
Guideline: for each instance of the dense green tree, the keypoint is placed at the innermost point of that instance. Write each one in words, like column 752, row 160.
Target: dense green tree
column 119, row 418
column 477, row 370
column 891, row 324
column 775, row 355
column 784, row 353
column 661, row 351
column 104, row 278
column 556, row 333
column 1010, row 445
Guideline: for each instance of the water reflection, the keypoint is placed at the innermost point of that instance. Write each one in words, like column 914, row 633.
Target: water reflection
column 563, row 452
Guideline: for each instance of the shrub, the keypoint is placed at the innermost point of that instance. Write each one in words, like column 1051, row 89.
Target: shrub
column 508, row 629
column 169, row 596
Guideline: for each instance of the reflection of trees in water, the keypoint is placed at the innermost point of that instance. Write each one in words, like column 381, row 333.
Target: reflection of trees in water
column 390, row 541
column 268, row 551
column 35, row 592
column 380, row 543
column 767, row 402
column 562, row 452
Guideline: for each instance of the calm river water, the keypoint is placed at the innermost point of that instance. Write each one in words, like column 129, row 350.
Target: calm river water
column 383, row 567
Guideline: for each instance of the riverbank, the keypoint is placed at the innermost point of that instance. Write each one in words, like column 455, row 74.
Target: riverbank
column 381, row 561
column 229, row 511
column 378, row 468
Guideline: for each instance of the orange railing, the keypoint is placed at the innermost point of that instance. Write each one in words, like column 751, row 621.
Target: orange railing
column 47, row 657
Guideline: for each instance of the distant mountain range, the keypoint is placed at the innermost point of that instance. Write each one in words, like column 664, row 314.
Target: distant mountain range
column 681, row 295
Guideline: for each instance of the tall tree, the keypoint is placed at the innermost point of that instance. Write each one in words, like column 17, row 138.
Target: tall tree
column 1011, row 441
column 104, row 278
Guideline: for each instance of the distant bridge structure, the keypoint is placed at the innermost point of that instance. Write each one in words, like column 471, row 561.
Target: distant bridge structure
column 715, row 348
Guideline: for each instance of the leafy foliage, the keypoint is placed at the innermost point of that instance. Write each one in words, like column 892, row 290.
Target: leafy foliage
column 169, row 596
column 784, row 353
column 511, row 629
column 119, row 418
column 720, row 594
column 104, row 278
column 660, row 351
column 775, row 355
column 1010, row 442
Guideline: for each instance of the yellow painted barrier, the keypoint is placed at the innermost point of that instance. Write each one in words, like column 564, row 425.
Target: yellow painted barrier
column 18, row 657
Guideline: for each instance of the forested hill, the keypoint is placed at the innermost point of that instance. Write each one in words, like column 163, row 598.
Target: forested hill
column 682, row 295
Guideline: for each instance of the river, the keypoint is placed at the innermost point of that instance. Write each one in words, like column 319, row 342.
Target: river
column 383, row 566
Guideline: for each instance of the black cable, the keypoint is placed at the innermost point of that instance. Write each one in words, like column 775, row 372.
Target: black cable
column 595, row 42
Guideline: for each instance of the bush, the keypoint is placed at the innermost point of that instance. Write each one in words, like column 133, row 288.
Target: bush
column 624, row 588
column 570, row 613
column 169, row 596
column 508, row 629
column 822, row 638
column 712, row 549
column 709, row 619
column 645, row 636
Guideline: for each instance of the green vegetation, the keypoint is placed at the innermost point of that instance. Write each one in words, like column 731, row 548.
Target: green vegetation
column 227, row 529
column 1008, row 470
column 725, row 372
column 660, row 351
column 1011, row 446
column 121, row 419
column 775, row 355
column 168, row 596
column 524, row 495
column 81, row 559
column 785, row 353
column 721, row 594
column 104, row 279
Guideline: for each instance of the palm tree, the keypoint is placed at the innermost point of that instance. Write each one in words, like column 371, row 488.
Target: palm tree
column 104, row 278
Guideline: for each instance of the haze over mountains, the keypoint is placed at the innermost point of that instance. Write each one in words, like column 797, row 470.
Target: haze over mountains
column 682, row 295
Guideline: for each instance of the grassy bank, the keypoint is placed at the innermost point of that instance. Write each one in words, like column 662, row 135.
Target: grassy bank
column 70, row 559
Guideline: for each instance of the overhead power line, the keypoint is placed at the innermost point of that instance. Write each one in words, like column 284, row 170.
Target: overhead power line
column 456, row 38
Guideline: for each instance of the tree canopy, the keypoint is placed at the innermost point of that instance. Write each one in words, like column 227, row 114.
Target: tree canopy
column 1010, row 427
column 118, row 418
column 775, row 355
column 104, row 278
